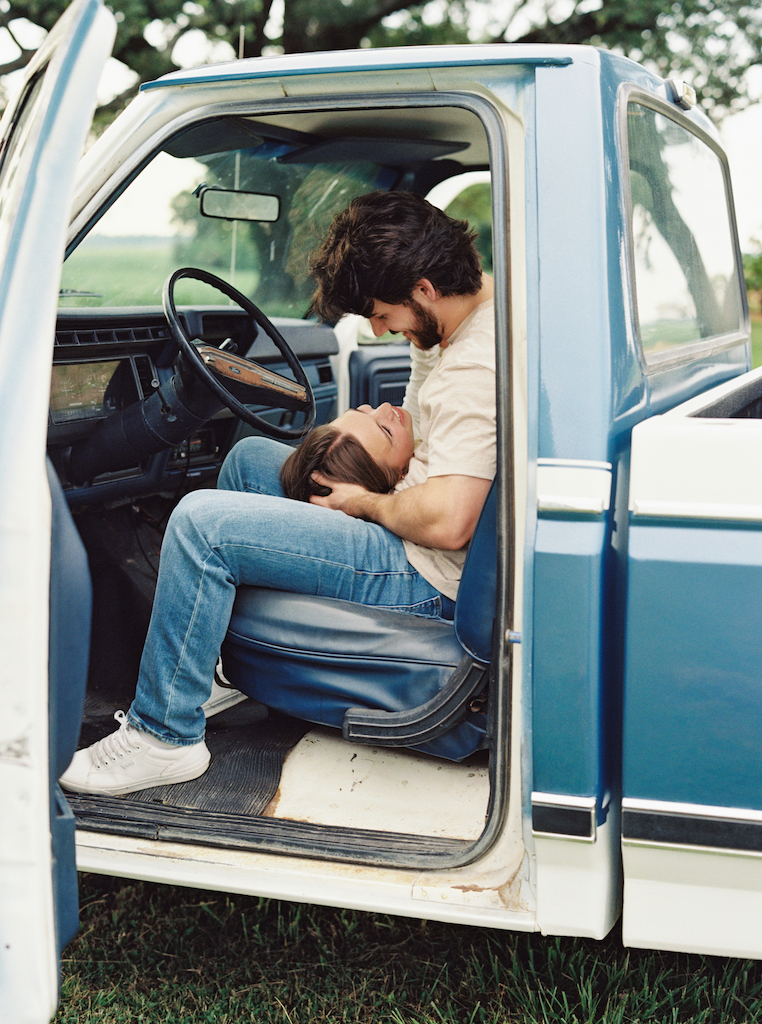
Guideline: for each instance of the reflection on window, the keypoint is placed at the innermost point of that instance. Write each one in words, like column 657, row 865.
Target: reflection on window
column 12, row 146
column 687, row 282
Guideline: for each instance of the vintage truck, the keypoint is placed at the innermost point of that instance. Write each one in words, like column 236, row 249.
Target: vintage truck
column 590, row 726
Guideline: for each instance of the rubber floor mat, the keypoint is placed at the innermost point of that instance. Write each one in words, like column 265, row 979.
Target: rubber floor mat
column 226, row 807
column 244, row 774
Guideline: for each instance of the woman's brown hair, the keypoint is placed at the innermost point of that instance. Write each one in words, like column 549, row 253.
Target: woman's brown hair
column 329, row 451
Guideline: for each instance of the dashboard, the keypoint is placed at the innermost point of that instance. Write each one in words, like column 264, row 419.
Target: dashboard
column 105, row 361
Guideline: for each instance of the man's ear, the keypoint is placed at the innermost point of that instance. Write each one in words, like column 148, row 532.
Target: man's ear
column 427, row 288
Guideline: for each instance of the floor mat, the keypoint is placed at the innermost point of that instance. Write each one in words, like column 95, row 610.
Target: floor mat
column 227, row 806
column 243, row 777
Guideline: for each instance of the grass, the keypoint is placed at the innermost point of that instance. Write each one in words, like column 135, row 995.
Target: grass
column 131, row 272
column 134, row 275
column 149, row 953
column 756, row 341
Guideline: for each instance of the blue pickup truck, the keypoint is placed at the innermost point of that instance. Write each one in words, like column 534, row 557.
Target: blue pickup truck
column 583, row 743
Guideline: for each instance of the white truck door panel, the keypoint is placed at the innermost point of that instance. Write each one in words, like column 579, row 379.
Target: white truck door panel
column 43, row 137
column 692, row 808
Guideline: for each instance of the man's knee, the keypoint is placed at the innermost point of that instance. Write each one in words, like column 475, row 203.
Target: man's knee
column 198, row 522
column 190, row 513
column 253, row 464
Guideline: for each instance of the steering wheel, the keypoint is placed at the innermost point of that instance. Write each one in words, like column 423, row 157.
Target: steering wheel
column 212, row 365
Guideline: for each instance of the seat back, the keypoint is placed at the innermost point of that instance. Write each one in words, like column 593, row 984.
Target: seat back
column 477, row 593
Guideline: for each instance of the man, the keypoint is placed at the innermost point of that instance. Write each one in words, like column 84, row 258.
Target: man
column 408, row 268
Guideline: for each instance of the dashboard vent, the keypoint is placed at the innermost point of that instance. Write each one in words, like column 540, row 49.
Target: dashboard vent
column 146, row 374
column 82, row 336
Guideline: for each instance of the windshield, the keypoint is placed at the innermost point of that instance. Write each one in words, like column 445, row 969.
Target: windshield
column 155, row 225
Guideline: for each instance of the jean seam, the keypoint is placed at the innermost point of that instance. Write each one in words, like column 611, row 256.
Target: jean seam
column 175, row 741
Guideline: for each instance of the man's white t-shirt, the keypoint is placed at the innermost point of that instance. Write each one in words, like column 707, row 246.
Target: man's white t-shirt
column 451, row 398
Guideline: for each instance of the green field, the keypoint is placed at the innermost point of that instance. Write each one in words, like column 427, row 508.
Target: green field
column 134, row 275
column 756, row 342
column 120, row 272
column 151, row 954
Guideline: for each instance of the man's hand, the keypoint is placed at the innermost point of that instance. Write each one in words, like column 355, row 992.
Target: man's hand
column 344, row 497
column 441, row 513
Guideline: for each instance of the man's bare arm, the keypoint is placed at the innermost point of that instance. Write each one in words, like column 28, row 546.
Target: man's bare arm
column 441, row 513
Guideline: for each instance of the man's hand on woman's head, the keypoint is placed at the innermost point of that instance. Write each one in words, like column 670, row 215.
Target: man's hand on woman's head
column 343, row 497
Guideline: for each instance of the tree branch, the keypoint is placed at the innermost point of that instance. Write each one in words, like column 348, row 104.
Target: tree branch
column 18, row 63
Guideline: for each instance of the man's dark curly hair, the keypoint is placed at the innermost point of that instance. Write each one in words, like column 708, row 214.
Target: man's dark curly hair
column 382, row 245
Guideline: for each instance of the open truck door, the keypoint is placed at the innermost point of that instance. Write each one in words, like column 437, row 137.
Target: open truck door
column 43, row 629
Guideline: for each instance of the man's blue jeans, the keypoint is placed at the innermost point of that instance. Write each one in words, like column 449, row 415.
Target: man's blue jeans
column 246, row 532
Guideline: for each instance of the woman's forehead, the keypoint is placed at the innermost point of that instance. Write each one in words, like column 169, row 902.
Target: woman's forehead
column 365, row 429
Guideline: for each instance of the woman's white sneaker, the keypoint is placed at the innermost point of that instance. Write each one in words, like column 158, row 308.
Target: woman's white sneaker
column 130, row 760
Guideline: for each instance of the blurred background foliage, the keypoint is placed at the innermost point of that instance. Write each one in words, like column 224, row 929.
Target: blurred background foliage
column 713, row 44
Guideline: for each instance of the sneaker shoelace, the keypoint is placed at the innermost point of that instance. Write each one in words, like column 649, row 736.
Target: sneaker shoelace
column 118, row 744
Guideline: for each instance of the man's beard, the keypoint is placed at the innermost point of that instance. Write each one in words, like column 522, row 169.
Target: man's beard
column 425, row 330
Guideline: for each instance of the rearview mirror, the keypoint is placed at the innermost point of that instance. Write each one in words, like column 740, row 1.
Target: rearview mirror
column 226, row 204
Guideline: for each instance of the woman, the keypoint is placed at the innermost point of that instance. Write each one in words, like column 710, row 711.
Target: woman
column 366, row 446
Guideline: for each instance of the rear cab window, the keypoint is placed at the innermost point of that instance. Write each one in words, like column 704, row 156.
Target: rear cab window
column 684, row 261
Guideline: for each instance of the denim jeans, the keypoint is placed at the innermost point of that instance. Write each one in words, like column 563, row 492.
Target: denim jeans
column 246, row 532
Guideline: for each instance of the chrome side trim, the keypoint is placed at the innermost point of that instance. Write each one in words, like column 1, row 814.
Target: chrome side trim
column 565, row 817
column 680, row 824
column 573, row 485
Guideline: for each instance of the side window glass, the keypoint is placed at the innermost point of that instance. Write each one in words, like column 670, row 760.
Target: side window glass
column 687, row 281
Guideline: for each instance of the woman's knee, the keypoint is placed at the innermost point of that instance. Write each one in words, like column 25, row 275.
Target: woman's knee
column 198, row 523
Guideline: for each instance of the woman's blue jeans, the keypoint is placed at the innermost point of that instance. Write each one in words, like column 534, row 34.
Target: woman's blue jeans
column 246, row 532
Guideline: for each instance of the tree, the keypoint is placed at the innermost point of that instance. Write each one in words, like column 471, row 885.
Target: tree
column 712, row 42
column 752, row 265
column 474, row 204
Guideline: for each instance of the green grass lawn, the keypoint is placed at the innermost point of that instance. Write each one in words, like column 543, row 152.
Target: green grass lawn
column 134, row 275
column 756, row 342
column 151, row 954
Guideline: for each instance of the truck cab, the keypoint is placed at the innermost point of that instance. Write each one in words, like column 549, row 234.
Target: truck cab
column 583, row 746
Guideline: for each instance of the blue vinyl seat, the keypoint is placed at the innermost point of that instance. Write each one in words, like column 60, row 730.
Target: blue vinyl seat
column 385, row 678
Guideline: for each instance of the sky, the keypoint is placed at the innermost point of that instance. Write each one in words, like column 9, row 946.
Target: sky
column 742, row 138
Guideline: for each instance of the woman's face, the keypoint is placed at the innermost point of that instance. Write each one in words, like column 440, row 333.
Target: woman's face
column 386, row 434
